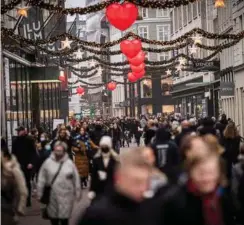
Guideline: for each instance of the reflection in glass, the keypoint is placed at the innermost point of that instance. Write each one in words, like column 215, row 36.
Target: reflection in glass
column 146, row 88
column 166, row 86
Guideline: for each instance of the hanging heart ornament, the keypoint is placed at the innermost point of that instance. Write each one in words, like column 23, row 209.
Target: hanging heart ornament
column 130, row 48
column 122, row 16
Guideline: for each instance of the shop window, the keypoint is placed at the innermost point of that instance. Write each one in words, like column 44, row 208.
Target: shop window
column 146, row 109
column 146, row 88
column 168, row 108
column 166, row 86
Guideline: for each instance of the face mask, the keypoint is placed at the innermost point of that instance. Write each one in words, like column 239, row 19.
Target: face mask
column 48, row 147
column 105, row 149
column 42, row 139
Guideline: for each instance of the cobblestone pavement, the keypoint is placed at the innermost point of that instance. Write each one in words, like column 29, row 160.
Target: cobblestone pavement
column 33, row 214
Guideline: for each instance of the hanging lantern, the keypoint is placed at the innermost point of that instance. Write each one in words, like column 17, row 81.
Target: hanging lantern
column 111, row 86
column 80, row 90
column 132, row 77
column 219, row 3
column 61, row 76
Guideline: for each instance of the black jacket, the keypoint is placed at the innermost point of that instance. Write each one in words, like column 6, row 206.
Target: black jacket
column 179, row 137
column 185, row 208
column 149, row 134
column 166, row 153
column 97, row 184
column 113, row 209
column 25, row 151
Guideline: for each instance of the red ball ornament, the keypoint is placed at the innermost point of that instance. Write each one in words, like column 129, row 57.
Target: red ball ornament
column 138, row 59
column 131, row 48
column 122, row 16
column 111, row 86
column 140, row 74
column 131, row 77
column 137, row 69
column 80, row 90
column 61, row 78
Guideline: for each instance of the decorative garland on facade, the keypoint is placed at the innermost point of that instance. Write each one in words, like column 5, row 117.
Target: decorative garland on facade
column 9, row 33
column 97, row 7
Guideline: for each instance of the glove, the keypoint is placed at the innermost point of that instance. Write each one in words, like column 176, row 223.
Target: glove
column 91, row 195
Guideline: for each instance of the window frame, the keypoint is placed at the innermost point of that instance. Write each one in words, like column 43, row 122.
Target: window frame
column 163, row 53
column 157, row 13
column 164, row 25
column 142, row 12
column 143, row 27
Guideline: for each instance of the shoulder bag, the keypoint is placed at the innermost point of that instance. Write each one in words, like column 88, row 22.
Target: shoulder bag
column 47, row 189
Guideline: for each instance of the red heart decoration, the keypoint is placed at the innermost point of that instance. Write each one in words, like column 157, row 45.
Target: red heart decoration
column 137, row 69
column 80, row 90
column 122, row 16
column 138, row 59
column 140, row 74
column 131, row 77
column 111, row 86
column 131, row 48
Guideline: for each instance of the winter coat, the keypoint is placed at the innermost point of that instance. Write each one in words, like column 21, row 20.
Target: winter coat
column 66, row 188
column 232, row 148
column 24, row 150
column 113, row 209
column 149, row 134
column 98, row 184
column 81, row 160
column 13, row 188
column 185, row 208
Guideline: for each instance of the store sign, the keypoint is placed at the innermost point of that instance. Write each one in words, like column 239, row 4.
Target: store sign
column 227, row 89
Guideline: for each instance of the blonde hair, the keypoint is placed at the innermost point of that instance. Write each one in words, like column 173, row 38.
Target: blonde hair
column 213, row 143
column 231, row 131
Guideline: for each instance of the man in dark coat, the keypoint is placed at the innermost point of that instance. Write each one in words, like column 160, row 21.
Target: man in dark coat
column 185, row 126
column 24, row 150
column 166, row 153
column 122, row 205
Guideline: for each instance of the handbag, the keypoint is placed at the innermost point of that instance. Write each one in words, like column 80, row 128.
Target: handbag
column 47, row 189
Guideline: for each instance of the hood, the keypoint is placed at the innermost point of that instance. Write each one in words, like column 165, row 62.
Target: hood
column 106, row 141
column 163, row 134
column 66, row 157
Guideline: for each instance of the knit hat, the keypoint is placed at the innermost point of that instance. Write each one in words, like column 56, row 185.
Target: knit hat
column 106, row 141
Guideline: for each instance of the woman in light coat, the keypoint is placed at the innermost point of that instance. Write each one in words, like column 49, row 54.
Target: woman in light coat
column 66, row 187
column 13, row 189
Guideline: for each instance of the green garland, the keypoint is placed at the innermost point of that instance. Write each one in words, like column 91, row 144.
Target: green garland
column 9, row 33
column 97, row 7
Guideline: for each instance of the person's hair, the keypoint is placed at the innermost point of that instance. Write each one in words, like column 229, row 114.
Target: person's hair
column 134, row 158
column 62, row 144
column 186, row 145
column 213, row 143
column 230, row 131
column 34, row 131
column 194, row 161
column 150, row 123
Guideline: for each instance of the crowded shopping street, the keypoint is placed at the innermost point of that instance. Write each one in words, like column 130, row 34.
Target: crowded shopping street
column 122, row 112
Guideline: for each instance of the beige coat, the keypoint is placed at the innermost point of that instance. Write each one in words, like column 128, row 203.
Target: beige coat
column 12, row 176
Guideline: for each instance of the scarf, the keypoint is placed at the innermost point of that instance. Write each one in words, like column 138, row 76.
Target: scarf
column 85, row 138
column 211, row 207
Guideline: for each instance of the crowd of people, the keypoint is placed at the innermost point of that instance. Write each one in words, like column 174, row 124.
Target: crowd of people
column 182, row 172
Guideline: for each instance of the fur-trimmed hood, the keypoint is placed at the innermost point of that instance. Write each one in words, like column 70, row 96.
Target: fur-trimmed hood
column 8, row 165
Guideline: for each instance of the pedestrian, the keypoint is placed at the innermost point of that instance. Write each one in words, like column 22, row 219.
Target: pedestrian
column 166, row 153
column 122, row 205
column 115, row 134
column 13, row 188
column 203, row 199
column 104, row 163
column 231, row 142
column 24, row 150
column 65, row 188
column 150, row 132
column 64, row 136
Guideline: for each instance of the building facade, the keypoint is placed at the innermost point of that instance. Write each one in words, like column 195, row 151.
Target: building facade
column 198, row 99
column 149, row 95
